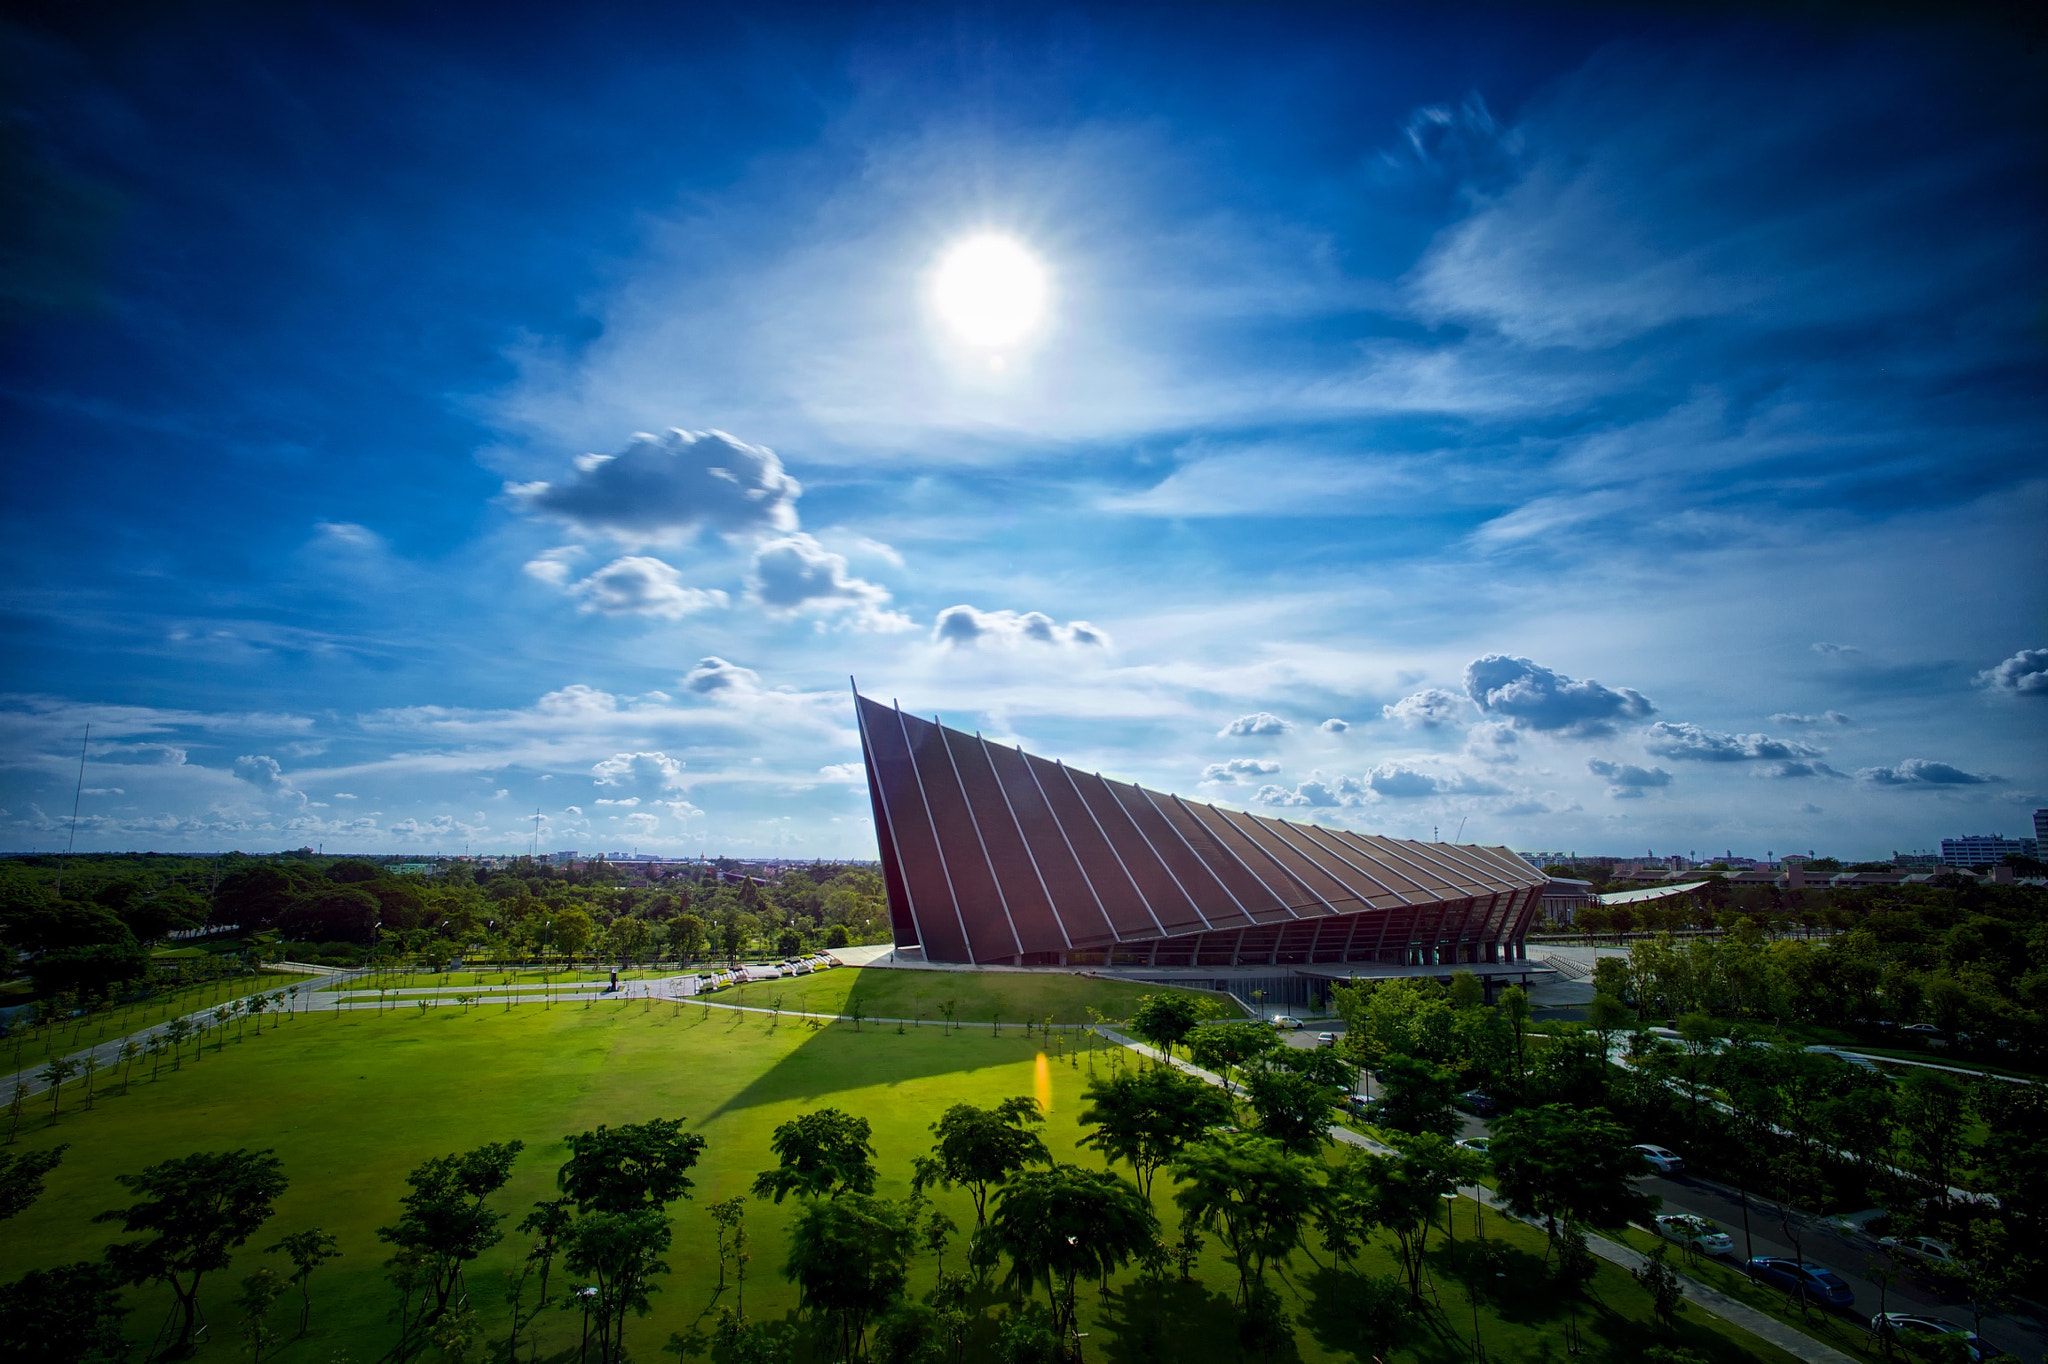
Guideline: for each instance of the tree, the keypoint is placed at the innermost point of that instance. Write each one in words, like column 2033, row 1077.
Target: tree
column 307, row 1250
column 260, row 1292
column 1568, row 1165
column 1415, row 1096
column 822, row 1152
column 1228, row 1045
column 1401, row 1193
column 54, row 1075
column 1932, row 1120
column 197, row 1210
column 1145, row 1118
column 621, row 1252
column 1252, row 1190
column 1166, row 1020
column 1293, row 1108
column 549, row 1225
column 21, row 1178
column 445, row 1224
column 1660, row 1281
column 1514, row 1006
column 849, row 1257
column 687, row 937
column 332, row 914
column 981, row 1147
column 68, row 1315
column 623, row 1169
column 729, row 1219
column 1057, row 1224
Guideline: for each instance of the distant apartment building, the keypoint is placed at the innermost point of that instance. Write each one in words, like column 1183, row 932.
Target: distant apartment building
column 2041, row 829
column 1985, row 850
column 1916, row 861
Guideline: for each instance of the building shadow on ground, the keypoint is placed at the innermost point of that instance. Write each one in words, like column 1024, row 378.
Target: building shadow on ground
column 840, row 1054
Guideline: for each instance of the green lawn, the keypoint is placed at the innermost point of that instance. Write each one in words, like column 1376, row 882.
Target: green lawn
column 351, row 1101
column 34, row 1047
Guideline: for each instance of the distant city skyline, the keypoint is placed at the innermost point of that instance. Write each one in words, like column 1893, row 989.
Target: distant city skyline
column 1583, row 427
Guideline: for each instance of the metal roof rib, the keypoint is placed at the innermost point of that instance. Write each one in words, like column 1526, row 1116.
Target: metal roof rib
column 995, row 877
column 937, row 843
column 880, row 789
column 1050, row 903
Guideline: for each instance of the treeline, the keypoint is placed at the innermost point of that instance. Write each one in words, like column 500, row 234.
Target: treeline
column 89, row 936
column 1968, row 960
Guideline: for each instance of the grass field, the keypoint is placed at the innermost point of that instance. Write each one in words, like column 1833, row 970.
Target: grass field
column 351, row 1101
column 37, row 1046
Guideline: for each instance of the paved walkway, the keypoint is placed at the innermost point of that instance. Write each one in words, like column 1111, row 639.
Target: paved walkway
column 1710, row 1300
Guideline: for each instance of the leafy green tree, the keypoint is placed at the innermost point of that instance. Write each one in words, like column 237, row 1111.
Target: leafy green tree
column 307, row 1250
column 196, row 1210
column 1144, row 1118
column 633, row 1166
column 1401, row 1192
column 621, row 1253
column 68, row 1315
column 1568, row 1165
column 549, row 1224
column 686, row 936
column 1224, row 1046
column 21, row 1178
column 445, row 1224
column 1415, row 1095
column 1255, row 1193
column 1933, row 1117
column 1057, row 1224
column 260, row 1292
column 978, row 1148
column 824, row 1152
column 850, row 1258
column 1514, row 1007
column 1293, row 1108
column 1165, row 1020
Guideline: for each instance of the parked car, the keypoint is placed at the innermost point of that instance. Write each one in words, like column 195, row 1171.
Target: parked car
column 1477, row 1102
column 1696, row 1233
column 1924, row 1029
column 1940, row 1254
column 1481, row 1145
column 1803, row 1278
column 1287, row 1023
column 1326, row 1039
column 1364, row 1105
column 1923, row 1335
column 1663, row 1160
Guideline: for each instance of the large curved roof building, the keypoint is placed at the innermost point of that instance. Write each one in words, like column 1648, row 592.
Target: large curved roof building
column 995, row 856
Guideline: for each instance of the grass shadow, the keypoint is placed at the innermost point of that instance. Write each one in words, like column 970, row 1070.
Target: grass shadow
column 1170, row 1322
column 842, row 1055
column 1363, row 1315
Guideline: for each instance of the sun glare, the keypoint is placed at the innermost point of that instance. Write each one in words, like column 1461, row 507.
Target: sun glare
column 990, row 291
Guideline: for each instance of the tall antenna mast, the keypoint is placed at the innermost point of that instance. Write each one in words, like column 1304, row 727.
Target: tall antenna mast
column 77, row 794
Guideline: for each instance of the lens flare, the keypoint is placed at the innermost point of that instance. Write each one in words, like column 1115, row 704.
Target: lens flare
column 1041, row 1084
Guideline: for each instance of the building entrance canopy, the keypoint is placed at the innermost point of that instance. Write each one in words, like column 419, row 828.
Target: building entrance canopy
column 995, row 856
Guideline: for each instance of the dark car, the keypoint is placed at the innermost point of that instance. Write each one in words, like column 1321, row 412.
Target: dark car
column 1924, row 1335
column 1817, row 1283
column 1477, row 1102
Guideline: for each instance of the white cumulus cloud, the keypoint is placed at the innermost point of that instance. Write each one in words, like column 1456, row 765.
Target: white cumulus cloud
column 1430, row 708
column 638, row 585
column 1531, row 696
column 1259, row 723
column 664, row 488
column 963, row 627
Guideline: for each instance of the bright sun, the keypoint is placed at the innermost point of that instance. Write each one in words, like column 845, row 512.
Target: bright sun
column 990, row 291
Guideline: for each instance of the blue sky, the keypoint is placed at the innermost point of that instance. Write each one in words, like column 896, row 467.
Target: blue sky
column 1595, row 428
